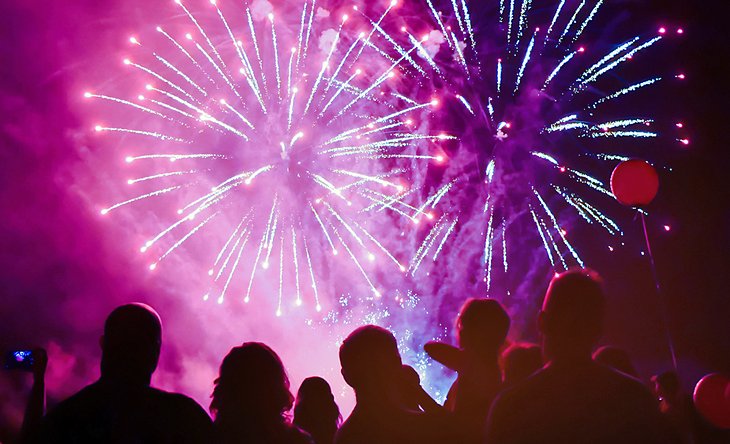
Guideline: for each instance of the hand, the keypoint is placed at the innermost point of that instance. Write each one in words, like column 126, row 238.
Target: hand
column 448, row 355
column 40, row 362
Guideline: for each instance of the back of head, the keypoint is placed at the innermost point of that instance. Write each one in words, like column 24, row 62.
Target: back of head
column 252, row 387
column 370, row 359
column 131, row 343
column 572, row 314
column 616, row 358
column 482, row 325
column 666, row 385
column 519, row 361
column 315, row 409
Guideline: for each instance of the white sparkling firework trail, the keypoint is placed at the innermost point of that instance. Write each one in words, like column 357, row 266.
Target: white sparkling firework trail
column 624, row 91
column 525, row 61
column 554, row 20
column 449, row 231
column 298, row 300
column 587, row 20
column 318, row 307
column 560, row 66
column 276, row 55
column 570, row 22
column 281, row 276
column 558, row 229
column 138, row 198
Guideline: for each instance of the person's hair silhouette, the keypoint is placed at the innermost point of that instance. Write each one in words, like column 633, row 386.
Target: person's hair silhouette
column 616, row 358
column 371, row 365
column 121, row 406
column 251, row 398
column 370, row 360
column 574, row 399
column 482, row 326
column 519, row 361
column 571, row 320
column 131, row 343
column 316, row 411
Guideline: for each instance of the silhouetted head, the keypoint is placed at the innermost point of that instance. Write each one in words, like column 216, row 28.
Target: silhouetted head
column 571, row 320
column 370, row 360
column 131, row 344
column 519, row 361
column 315, row 410
column 666, row 385
column 616, row 358
column 482, row 325
column 252, row 386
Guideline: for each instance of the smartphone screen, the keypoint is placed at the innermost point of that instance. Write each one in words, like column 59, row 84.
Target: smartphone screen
column 19, row 360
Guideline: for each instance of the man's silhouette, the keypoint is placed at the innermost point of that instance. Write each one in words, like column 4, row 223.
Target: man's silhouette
column 121, row 407
column 574, row 399
column 371, row 365
column 482, row 326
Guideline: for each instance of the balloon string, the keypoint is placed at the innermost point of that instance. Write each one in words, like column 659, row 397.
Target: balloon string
column 662, row 304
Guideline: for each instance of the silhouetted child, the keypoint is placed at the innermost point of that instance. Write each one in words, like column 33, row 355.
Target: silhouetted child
column 251, row 399
column 316, row 411
column 481, row 328
column 679, row 410
column 121, row 407
column 519, row 361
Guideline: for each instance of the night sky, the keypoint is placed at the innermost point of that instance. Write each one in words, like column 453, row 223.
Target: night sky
column 62, row 271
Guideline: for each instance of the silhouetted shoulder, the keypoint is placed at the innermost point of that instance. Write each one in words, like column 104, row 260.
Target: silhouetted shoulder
column 100, row 413
column 396, row 428
column 295, row 435
column 590, row 403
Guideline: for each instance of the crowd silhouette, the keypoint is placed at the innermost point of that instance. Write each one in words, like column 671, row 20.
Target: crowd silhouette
column 560, row 391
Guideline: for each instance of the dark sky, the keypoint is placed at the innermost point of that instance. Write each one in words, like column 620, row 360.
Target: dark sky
column 47, row 286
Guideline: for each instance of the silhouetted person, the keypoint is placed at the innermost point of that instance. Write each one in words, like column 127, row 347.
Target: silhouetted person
column 519, row 361
column 371, row 365
column 251, row 399
column 316, row 411
column 121, row 407
column 36, row 406
column 482, row 326
column 574, row 399
column 616, row 358
column 679, row 410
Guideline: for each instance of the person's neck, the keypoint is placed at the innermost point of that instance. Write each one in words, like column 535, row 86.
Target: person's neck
column 570, row 358
column 370, row 401
column 113, row 378
column 485, row 358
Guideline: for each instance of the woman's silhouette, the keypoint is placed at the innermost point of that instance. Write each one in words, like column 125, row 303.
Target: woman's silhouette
column 251, row 398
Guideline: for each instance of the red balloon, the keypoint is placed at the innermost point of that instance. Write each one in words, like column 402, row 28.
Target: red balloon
column 712, row 399
column 634, row 183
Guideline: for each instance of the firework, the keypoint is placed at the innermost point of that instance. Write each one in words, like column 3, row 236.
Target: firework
column 544, row 102
column 292, row 133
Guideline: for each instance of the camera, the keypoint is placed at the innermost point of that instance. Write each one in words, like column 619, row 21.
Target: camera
column 19, row 360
